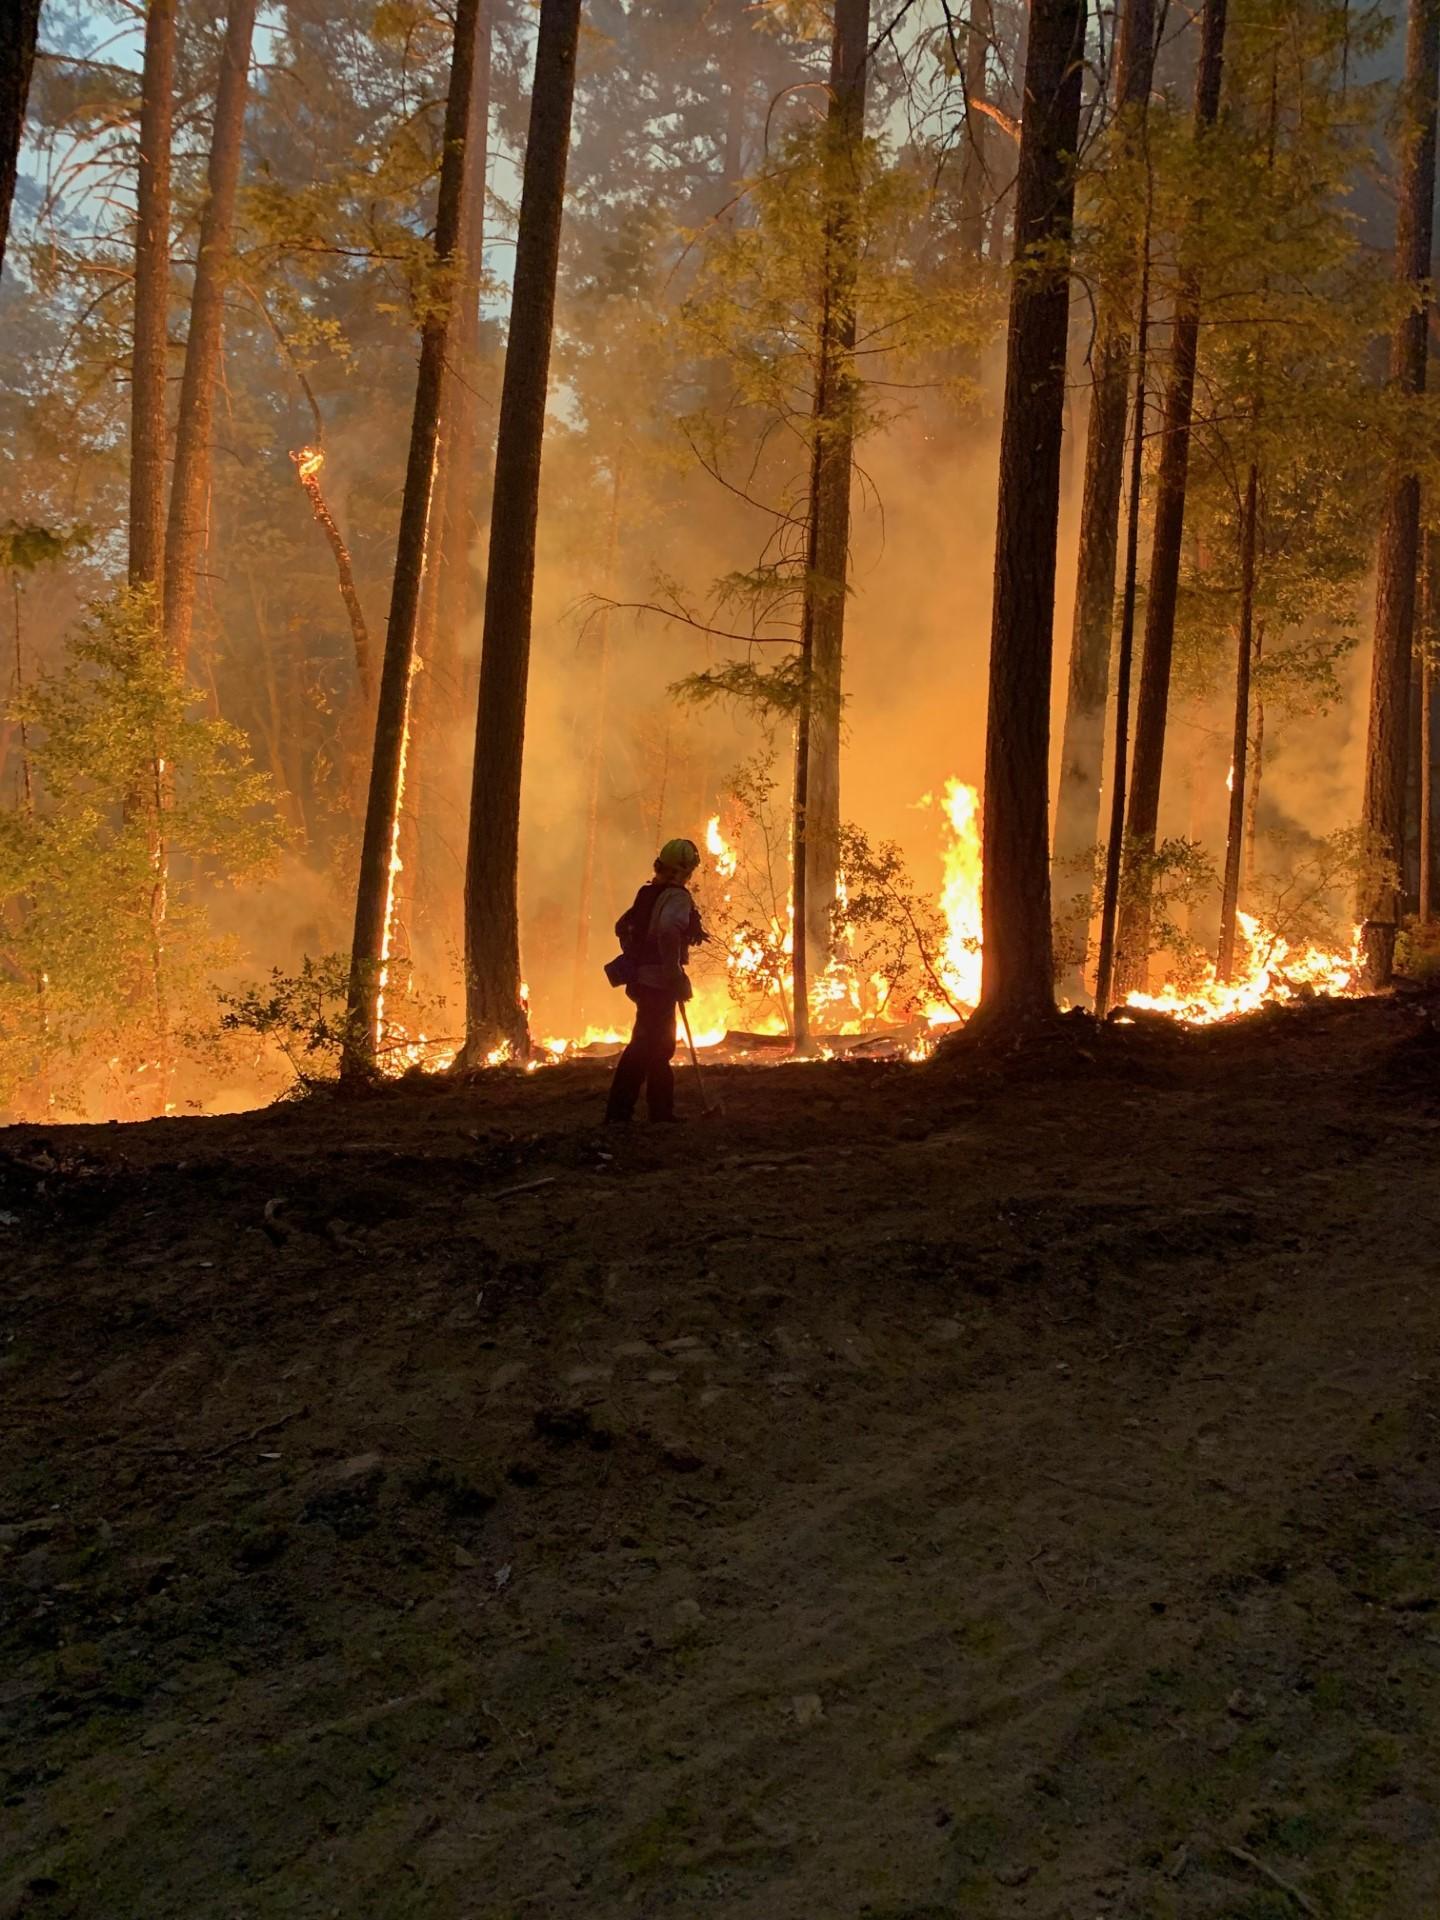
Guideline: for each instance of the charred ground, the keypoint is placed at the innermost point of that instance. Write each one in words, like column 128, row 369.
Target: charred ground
column 1004, row 1491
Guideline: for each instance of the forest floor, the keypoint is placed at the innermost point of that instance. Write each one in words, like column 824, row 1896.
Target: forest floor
column 999, row 1493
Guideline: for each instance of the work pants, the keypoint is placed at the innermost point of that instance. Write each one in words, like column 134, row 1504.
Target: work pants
column 646, row 1061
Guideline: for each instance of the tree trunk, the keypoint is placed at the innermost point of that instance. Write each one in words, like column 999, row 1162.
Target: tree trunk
column 1257, row 769
column 600, row 723
column 799, row 823
column 19, row 31
column 1017, row 979
column 454, row 573
column 190, row 483
column 1428, row 632
column 1115, row 838
column 1240, row 747
column 374, row 891
column 152, row 302
column 976, row 187
column 495, row 1013
column 737, row 103
column 1378, row 905
column 438, row 687
column 1143, row 810
column 833, row 426
column 1077, row 800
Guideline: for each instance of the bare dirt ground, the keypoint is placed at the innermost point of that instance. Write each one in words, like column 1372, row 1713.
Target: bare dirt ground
column 1004, row 1494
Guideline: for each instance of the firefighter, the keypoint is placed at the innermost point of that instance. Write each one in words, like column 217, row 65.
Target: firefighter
column 656, row 934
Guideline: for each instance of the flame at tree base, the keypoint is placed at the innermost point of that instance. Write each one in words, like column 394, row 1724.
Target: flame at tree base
column 850, row 1014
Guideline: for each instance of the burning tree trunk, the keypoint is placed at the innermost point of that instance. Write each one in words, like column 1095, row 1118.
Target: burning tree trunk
column 374, row 892
column 1017, row 982
column 190, row 483
column 1077, row 801
column 833, row 427
column 1240, row 748
column 494, row 1008
column 1143, row 810
column 152, row 302
column 975, row 184
column 1379, row 903
column 19, row 31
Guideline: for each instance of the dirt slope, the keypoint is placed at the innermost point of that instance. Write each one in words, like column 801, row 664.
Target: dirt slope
column 933, row 1492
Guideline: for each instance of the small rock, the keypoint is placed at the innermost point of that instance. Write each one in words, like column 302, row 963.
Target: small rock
column 1014, row 1876
column 502, row 1577
column 464, row 1559
column 688, row 1614
column 358, row 1467
column 681, row 1458
column 807, row 1708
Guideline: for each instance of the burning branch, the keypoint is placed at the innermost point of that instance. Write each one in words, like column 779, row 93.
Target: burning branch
column 308, row 462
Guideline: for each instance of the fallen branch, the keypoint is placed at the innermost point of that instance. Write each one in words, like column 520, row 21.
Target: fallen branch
column 1278, row 1881
column 525, row 1186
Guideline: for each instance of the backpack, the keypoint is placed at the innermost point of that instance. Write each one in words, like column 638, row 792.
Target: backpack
column 638, row 945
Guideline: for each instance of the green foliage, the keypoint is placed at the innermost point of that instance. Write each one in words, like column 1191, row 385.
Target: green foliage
column 303, row 1014
column 141, row 805
column 888, row 932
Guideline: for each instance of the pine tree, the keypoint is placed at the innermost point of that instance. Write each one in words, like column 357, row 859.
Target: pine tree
column 19, row 31
column 1379, row 903
column 494, row 1007
column 190, row 482
column 369, row 948
column 152, row 301
column 1017, row 983
column 1077, row 800
column 1143, row 805
column 817, row 777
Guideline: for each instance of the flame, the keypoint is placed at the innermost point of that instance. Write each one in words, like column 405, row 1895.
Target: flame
column 718, row 847
column 1275, row 972
column 960, row 893
column 397, row 867
column 1273, row 969
column 308, row 461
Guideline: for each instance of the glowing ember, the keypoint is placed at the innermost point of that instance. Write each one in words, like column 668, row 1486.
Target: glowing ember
column 308, row 461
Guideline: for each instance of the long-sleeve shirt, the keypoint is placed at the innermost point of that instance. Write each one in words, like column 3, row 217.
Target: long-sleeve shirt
column 669, row 921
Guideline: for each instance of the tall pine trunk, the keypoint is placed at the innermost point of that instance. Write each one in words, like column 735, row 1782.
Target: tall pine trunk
column 190, row 483
column 1379, row 903
column 1017, row 981
column 438, row 689
column 374, row 891
column 495, row 1014
column 976, row 187
column 833, row 427
column 1143, row 809
column 1240, row 739
column 152, row 301
column 1077, row 800
column 600, row 722
column 1430, row 615
column 19, row 32
column 1115, row 837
